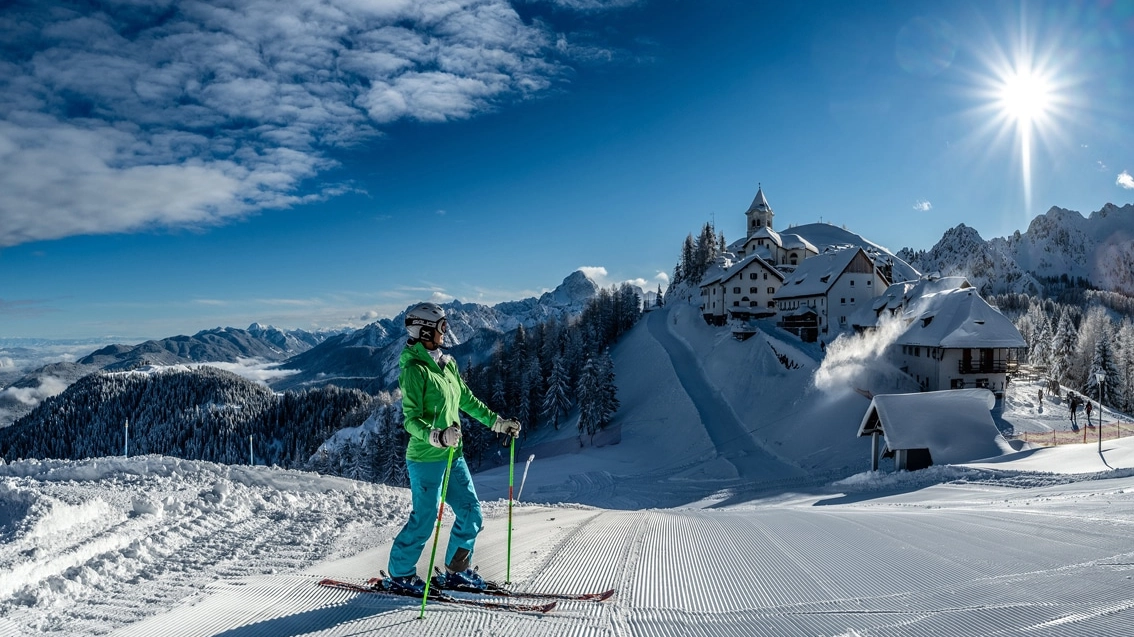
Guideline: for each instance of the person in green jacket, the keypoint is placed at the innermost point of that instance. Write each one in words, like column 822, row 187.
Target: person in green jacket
column 433, row 395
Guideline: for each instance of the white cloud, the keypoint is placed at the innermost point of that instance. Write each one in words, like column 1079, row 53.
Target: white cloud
column 134, row 116
column 1125, row 180
column 922, row 205
column 596, row 273
column 1102, row 167
column 594, row 5
column 370, row 316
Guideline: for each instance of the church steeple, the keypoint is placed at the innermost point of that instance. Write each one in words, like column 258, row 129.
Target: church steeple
column 760, row 213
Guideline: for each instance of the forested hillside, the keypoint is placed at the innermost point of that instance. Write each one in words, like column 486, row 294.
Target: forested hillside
column 203, row 414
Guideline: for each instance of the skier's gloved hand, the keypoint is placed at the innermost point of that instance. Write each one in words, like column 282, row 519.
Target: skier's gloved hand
column 447, row 437
column 506, row 426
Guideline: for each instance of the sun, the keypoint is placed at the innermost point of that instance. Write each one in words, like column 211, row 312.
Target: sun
column 1024, row 94
column 1025, row 97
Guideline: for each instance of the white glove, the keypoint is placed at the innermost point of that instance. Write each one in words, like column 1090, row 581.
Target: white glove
column 447, row 437
column 505, row 426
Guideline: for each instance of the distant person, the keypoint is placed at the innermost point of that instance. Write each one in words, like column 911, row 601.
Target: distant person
column 1073, row 405
column 433, row 395
column 1041, row 396
column 1088, row 408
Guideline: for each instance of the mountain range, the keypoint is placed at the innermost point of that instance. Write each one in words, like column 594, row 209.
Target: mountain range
column 364, row 359
column 1060, row 243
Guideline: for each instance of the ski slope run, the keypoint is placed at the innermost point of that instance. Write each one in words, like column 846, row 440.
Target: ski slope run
column 967, row 558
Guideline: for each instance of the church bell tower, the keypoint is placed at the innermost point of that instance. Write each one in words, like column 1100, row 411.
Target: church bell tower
column 759, row 213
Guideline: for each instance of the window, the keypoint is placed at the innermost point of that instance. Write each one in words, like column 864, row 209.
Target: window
column 852, row 283
column 765, row 276
column 957, row 383
column 982, row 383
column 852, row 301
column 868, row 282
column 736, row 290
column 771, row 290
column 843, row 301
column 736, row 303
column 752, row 275
column 753, row 290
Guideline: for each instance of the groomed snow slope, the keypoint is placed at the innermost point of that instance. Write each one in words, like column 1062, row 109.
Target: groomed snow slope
column 782, row 533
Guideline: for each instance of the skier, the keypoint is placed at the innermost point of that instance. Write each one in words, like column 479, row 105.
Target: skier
column 1073, row 405
column 433, row 394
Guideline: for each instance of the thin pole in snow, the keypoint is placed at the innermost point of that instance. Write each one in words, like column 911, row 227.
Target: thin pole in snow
column 126, row 440
column 525, row 478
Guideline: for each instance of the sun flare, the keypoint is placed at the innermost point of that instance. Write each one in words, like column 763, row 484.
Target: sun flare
column 1025, row 96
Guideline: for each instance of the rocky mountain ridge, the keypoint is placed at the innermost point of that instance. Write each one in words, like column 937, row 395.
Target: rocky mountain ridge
column 1060, row 243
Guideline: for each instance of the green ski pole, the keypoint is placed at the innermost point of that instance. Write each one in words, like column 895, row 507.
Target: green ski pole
column 511, row 481
column 437, row 531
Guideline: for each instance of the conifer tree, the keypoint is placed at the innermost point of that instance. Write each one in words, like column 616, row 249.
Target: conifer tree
column 556, row 403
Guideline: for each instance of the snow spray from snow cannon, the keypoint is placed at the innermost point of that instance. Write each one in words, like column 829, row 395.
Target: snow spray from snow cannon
column 437, row 531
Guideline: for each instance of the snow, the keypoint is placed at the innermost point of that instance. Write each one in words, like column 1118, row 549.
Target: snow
column 958, row 318
column 725, row 469
column 955, row 426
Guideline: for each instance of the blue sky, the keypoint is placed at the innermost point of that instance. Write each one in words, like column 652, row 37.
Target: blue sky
column 171, row 167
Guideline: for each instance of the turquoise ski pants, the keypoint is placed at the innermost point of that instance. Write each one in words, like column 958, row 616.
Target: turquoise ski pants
column 425, row 484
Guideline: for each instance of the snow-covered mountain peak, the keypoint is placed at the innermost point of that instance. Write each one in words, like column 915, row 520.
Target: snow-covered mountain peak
column 575, row 290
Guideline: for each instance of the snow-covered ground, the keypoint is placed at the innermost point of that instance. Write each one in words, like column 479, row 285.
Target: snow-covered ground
column 761, row 521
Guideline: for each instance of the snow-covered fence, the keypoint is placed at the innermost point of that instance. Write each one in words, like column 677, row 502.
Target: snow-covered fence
column 1109, row 431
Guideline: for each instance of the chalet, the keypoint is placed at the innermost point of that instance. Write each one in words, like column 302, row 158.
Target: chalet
column 744, row 290
column 941, row 427
column 894, row 299
column 954, row 339
column 822, row 292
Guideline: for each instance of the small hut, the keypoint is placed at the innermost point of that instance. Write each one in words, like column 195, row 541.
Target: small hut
column 937, row 427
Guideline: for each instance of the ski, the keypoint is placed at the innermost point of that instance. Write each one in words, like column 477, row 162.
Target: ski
column 441, row 597
column 496, row 590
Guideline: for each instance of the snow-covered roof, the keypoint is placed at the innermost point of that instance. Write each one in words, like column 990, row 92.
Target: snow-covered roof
column 766, row 233
column 899, row 295
column 731, row 270
column 957, row 319
column 817, row 274
column 955, row 425
column 796, row 242
column 759, row 203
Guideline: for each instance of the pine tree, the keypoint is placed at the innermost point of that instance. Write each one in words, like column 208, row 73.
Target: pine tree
column 1063, row 345
column 588, row 397
column 555, row 401
column 1125, row 355
column 1103, row 362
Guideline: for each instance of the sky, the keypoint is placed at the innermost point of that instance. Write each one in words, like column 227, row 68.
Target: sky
column 168, row 167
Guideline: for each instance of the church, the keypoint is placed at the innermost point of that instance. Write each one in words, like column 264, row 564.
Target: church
column 753, row 268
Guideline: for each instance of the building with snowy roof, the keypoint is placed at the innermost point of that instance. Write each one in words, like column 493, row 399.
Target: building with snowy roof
column 784, row 250
column 894, row 299
column 939, row 427
column 954, row 339
column 745, row 290
column 819, row 296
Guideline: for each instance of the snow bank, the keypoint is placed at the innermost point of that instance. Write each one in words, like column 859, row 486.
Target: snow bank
column 79, row 537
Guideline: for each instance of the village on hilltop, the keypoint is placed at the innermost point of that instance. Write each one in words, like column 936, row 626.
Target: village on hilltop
column 948, row 337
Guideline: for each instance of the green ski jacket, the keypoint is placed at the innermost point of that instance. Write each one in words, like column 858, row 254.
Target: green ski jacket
column 432, row 398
